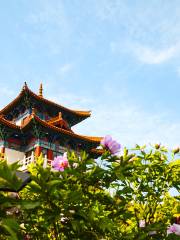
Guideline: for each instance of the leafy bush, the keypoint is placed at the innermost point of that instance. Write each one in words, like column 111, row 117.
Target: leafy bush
column 114, row 197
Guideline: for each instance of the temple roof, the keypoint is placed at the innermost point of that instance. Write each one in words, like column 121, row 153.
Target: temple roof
column 57, row 129
column 8, row 123
column 33, row 118
column 74, row 116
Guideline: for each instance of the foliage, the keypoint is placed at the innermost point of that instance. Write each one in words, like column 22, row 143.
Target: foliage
column 95, row 199
column 9, row 206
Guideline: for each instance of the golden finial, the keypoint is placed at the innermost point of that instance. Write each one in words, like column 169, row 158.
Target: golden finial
column 41, row 90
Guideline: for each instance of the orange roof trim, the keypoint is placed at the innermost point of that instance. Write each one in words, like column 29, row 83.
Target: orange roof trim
column 95, row 139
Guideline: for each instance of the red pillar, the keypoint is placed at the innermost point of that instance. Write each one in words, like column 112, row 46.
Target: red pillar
column 2, row 151
column 49, row 155
column 38, row 151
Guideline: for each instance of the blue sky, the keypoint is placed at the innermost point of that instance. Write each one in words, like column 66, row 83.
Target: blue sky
column 120, row 59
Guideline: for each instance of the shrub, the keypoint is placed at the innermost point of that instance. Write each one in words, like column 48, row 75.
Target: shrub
column 114, row 197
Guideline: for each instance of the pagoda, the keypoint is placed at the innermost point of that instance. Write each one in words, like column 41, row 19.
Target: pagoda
column 32, row 125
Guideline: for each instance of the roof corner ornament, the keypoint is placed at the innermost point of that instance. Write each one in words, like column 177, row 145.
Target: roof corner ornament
column 60, row 115
column 41, row 90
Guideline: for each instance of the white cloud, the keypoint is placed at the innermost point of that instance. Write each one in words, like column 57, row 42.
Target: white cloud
column 145, row 21
column 145, row 53
column 130, row 125
column 147, row 30
column 149, row 55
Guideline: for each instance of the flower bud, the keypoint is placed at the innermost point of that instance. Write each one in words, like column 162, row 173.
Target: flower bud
column 176, row 150
column 157, row 145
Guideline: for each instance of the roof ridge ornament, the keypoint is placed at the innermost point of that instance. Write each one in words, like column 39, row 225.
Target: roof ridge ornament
column 41, row 90
column 25, row 86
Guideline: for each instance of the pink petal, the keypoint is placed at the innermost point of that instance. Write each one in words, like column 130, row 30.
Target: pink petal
column 114, row 147
column 60, row 163
column 175, row 228
column 106, row 140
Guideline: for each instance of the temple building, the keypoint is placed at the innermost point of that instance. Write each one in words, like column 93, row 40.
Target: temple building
column 31, row 125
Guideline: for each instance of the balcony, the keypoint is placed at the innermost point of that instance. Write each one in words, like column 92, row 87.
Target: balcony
column 31, row 159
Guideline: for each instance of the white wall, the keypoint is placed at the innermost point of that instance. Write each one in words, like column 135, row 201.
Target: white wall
column 13, row 155
column 19, row 122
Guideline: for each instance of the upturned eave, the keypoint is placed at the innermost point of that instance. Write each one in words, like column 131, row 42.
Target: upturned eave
column 34, row 117
column 81, row 115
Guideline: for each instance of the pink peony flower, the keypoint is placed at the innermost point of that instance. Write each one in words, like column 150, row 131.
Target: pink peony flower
column 175, row 228
column 110, row 144
column 60, row 163
column 142, row 223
